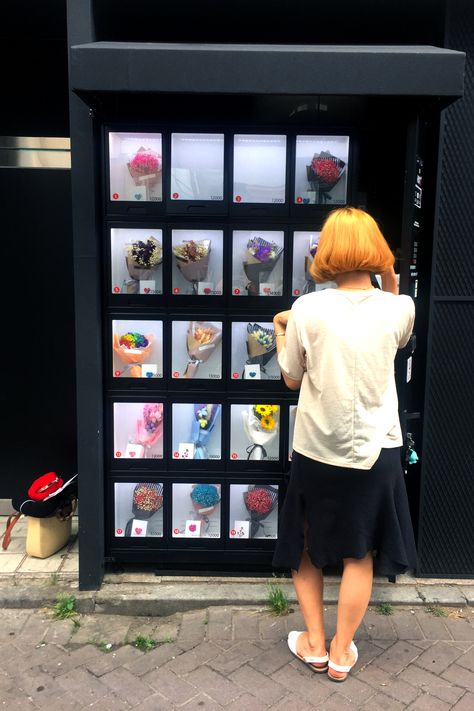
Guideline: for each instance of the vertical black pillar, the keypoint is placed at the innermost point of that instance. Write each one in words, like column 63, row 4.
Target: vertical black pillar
column 87, row 289
column 447, row 524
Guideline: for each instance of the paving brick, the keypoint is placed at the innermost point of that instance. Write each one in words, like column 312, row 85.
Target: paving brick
column 186, row 662
column 355, row 689
column 239, row 654
column 309, row 687
column 154, row 659
column 397, row 657
column 75, row 659
column 111, row 702
column 157, row 702
column 247, row 702
column 245, row 625
column 33, row 631
column 34, row 683
column 438, row 657
column 406, row 625
column 83, row 685
column 219, row 615
column 215, row 685
column 292, row 702
column 394, row 686
column 112, row 660
column 461, row 630
column 432, row 684
column 112, row 629
column 12, row 700
column 192, row 629
column 426, row 702
column 460, row 676
column 368, row 651
column 337, row 702
column 467, row 660
column 12, row 622
column 432, row 627
column 381, row 702
column 259, row 685
column 59, row 632
column 379, row 626
column 273, row 628
column 201, row 702
column 126, row 686
column 170, row 685
column 276, row 657
column 443, row 595
column 466, row 703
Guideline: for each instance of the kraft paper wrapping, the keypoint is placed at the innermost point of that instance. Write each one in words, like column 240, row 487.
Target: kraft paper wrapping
column 199, row 352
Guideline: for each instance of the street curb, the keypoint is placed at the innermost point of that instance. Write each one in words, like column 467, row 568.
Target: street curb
column 163, row 599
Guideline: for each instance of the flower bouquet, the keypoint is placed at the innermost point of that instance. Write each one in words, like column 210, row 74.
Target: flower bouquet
column 323, row 173
column 142, row 259
column 261, row 427
column 260, row 500
column 261, row 258
column 308, row 260
column 204, row 420
column 201, row 340
column 147, row 500
column 132, row 349
column 205, row 498
column 145, row 167
column 150, row 429
column 261, row 345
column 192, row 260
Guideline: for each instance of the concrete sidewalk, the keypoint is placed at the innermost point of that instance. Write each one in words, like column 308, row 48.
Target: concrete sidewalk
column 232, row 659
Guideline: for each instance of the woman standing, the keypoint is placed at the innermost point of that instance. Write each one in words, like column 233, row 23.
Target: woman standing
column 346, row 500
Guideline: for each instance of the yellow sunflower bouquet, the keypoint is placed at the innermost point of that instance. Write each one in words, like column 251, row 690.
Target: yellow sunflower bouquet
column 261, row 425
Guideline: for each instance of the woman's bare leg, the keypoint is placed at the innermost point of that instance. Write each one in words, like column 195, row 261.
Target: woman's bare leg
column 354, row 597
column 308, row 582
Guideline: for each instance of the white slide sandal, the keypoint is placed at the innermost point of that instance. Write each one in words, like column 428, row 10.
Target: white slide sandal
column 343, row 669
column 322, row 662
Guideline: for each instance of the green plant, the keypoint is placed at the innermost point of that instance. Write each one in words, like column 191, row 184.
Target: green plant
column 144, row 643
column 65, row 607
column 385, row 608
column 168, row 640
column 76, row 624
column 105, row 646
column 277, row 599
column 435, row 610
column 54, row 579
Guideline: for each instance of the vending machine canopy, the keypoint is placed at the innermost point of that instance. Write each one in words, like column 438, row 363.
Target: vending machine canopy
column 267, row 69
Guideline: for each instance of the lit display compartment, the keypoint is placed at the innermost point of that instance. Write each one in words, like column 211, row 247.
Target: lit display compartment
column 321, row 165
column 253, row 511
column 196, row 430
column 138, row 430
column 136, row 261
column 196, row 511
column 254, row 432
column 259, row 174
column 305, row 244
column 197, row 262
column 253, row 352
column 137, row 349
column 138, row 510
column 257, row 263
column 197, row 166
column 291, row 430
column 196, row 350
column 135, row 167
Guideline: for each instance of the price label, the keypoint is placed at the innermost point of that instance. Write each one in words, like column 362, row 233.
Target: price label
column 147, row 286
column 238, row 198
column 115, row 196
column 175, row 196
column 252, row 372
column 236, row 291
column 234, row 455
column 116, row 290
column 176, row 374
column 139, row 528
column 186, row 450
column 176, row 290
column 235, row 375
column 119, row 532
column 296, row 292
column 299, row 199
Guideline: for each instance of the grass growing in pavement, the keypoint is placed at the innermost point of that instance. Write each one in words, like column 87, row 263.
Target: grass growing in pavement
column 385, row 608
column 105, row 646
column 144, row 643
column 277, row 600
column 435, row 610
column 65, row 607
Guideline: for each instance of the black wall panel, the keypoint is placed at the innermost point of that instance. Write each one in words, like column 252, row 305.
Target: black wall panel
column 447, row 524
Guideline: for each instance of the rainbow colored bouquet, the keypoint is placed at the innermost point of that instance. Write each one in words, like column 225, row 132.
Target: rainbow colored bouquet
column 133, row 349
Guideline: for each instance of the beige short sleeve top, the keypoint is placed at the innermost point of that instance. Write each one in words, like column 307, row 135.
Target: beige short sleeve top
column 342, row 345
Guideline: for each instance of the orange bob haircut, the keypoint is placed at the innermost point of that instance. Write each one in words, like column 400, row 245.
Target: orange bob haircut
column 350, row 241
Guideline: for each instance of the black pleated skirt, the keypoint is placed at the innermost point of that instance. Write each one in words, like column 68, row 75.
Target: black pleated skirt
column 348, row 512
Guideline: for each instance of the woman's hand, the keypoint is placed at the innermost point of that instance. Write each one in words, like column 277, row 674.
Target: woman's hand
column 389, row 281
column 280, row 321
